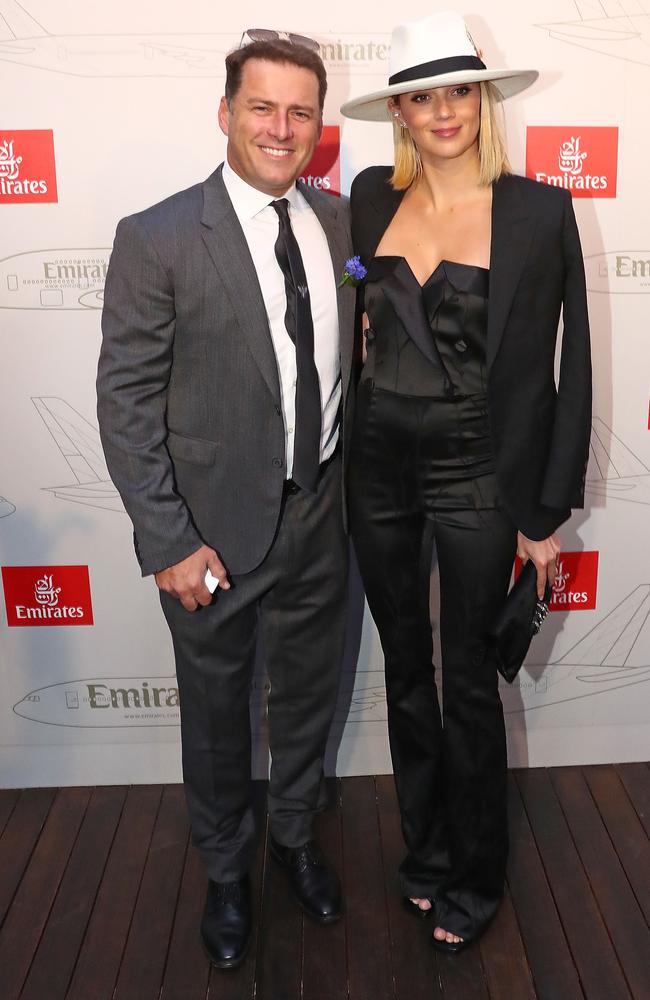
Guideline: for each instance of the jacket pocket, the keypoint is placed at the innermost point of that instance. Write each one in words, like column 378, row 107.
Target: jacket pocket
column 190, row 449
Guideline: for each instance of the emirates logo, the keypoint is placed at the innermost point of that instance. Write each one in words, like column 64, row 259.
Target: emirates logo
column 27, row 166
column 570, row 159
column 580, row 159
column 9, row 162
column 45, row 593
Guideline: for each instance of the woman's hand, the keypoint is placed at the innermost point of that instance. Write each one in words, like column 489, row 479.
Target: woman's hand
column 544, row 555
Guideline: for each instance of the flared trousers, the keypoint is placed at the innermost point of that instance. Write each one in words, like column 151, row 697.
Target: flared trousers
column 449, row 762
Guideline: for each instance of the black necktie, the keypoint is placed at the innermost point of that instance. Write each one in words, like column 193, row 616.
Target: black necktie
column 300, row 327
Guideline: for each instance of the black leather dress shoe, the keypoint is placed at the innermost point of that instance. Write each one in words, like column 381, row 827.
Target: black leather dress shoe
column 226, row 923
column 316, row 888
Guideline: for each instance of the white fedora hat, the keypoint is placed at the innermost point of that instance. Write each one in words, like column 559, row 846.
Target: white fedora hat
column 436, row 51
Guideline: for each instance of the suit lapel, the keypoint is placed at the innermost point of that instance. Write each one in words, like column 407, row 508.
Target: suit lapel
column 227, row 246
column 326, row 211
column 510, row 243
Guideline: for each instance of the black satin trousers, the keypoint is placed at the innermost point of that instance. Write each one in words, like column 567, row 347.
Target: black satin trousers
column 450, row 763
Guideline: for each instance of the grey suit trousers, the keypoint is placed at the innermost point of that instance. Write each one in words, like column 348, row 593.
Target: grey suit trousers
column 295, row 600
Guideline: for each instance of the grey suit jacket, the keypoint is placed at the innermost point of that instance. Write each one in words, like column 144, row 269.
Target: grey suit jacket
column 188, row 388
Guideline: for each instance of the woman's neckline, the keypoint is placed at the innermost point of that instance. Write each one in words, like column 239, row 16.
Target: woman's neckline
column 441, row 262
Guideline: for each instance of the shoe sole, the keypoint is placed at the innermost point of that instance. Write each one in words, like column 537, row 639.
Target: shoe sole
column 450, row 947
column 227, row 963
column 329, row 919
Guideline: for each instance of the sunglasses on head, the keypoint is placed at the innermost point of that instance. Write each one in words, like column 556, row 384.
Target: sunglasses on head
column 270, row 35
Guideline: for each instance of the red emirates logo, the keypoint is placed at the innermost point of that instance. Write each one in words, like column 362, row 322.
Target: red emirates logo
column 47, row 595
column 582, row 160
column 576, row 581
column 27, row 168
column 324, row 170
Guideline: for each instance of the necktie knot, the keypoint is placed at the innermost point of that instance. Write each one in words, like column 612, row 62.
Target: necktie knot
column 281, row 206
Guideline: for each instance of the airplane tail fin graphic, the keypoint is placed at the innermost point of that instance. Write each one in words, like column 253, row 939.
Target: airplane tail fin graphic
column 610, row 642
column 16, row 23
column 77, row 440
column 591, row 9
column 612, row 458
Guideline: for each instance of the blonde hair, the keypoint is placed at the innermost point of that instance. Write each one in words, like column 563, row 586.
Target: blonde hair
column 492, row 155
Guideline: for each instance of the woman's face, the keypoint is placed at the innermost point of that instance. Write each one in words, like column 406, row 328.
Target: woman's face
column 443, row 122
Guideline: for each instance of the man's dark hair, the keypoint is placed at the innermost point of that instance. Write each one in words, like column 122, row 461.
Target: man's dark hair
column 279, row 51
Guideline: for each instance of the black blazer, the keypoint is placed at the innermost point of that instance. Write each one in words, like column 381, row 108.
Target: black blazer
column 540, row 432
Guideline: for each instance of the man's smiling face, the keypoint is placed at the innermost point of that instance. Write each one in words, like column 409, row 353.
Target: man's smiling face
column 273, row 124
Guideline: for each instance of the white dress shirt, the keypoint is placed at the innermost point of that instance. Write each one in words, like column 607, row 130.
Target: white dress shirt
column 260, row 224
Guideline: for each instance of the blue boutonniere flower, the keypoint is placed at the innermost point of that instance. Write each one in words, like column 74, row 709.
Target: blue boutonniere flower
column 353, row 272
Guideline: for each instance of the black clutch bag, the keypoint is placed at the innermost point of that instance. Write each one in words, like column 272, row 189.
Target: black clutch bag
column 520, row 619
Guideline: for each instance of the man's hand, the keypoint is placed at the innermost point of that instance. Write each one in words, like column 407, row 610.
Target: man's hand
column 544, row 555
column 186, row 580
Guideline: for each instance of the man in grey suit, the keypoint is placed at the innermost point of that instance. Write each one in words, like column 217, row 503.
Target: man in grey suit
column 224, row 400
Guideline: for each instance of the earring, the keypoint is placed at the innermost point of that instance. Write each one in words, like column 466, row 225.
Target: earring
column 399, row 121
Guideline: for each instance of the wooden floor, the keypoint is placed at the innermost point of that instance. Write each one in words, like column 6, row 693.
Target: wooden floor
column 101, row 896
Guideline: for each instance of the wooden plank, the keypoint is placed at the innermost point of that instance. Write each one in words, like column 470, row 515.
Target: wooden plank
column 636, row 781
column 413, row 960
column 625, row 829
column 188, row 968
column 239, row 984
column 279, row 953
column 549, row 957
column 462, row 976
column 57, row 952
column 143, row 962
column 504, row 957
column 31, row 905
column 627, row 928
column 18, row 839
column 101, row 952
column 369, row 972
column 594, row 956
column 8, row 799
column 324, row 968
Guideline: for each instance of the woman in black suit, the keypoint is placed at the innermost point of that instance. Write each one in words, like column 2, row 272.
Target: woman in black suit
column 462, row 439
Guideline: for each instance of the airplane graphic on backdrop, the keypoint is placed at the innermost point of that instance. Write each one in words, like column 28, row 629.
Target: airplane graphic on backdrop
column 608, row 657
column 616, row 28
column 26, row 42
column 23, row 40
column 78, row 441
column 614, row 470
column 611, row 655
column 60, row 279
column 6, row 508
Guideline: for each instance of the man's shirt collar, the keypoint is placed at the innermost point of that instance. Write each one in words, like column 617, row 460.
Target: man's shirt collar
column 249, row 201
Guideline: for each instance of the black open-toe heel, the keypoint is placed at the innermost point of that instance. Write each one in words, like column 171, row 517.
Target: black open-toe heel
column 416, row 910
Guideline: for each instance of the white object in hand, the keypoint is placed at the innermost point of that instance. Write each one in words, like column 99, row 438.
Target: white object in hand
column 211, row 581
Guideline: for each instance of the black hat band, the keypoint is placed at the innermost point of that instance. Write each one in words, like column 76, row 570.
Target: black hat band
column 438, row 67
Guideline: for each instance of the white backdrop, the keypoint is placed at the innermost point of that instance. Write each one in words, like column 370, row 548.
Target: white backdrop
column 129, row 92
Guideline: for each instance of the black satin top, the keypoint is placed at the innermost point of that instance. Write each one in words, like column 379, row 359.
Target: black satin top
column 429, row 342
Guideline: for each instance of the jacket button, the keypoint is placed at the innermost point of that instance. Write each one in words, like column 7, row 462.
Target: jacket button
column 277, row 463
column 278, row 410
